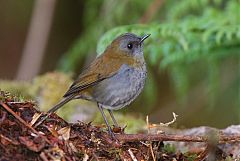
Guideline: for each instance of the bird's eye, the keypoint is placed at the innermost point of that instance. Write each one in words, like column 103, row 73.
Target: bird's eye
column 130, row 46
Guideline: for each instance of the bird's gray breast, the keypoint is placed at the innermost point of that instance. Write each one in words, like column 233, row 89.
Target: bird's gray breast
column 121, row 89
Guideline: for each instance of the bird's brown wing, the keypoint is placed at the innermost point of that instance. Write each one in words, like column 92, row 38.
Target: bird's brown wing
column 94, row 74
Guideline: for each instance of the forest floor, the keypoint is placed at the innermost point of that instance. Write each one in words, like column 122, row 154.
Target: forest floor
column 55, row 139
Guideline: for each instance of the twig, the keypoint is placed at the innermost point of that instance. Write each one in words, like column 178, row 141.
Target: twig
column 229, row 138
column 4, row 114
column 170, row 122
column 174, row 137
column 150, row 145
column 95, row 156
column 159, row 137
column 2, row 137
column 132, row 155
column 86, row 157
column 43, row 156
column 152, row 153
column 23, row 122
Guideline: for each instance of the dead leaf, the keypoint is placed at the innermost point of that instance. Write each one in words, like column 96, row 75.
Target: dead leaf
column 53, row 130
column 64, row 133
column 35, row 118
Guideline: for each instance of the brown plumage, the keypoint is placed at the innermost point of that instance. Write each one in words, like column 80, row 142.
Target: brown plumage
column 100, row 70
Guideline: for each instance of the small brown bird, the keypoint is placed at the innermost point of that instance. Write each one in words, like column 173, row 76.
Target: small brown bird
column 113, row 80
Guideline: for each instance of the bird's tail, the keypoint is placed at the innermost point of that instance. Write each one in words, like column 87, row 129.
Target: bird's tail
column 61, row 103
column 55, row 108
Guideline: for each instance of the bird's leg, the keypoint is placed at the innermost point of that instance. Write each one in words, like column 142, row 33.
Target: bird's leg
column 105, row 119
column 113, row 119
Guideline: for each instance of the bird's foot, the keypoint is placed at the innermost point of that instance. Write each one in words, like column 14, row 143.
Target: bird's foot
column 112, row 135
column 114, row 142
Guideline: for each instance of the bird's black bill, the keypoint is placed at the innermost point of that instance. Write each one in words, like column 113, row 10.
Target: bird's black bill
column 144, row 38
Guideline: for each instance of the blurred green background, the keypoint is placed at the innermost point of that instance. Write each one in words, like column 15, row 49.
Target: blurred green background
column 193, row 54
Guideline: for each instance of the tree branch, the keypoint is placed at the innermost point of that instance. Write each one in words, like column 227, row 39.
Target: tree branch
column 223, row 138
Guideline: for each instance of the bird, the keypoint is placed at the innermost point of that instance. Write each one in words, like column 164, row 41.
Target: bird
column 113, row 80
